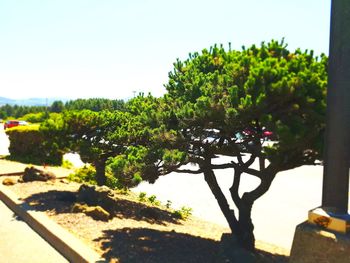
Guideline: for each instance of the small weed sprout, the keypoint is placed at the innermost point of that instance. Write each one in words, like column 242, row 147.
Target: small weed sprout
column 168, row 204
column 152, row 199
column 142, row 196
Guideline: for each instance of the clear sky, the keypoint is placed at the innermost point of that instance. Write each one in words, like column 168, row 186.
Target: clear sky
column 111, row 48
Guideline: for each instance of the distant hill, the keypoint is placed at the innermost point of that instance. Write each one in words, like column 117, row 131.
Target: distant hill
column 30, row 101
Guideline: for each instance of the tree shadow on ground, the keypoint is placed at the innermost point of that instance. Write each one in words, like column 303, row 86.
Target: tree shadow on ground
column 62, row 202
column 146, row 245
column 267, row 257
column 55, row 201
column 149, row 245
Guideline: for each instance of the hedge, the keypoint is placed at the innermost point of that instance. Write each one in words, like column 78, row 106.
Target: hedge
column 28, row 144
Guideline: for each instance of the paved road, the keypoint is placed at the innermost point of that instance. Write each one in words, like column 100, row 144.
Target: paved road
column 19, row 243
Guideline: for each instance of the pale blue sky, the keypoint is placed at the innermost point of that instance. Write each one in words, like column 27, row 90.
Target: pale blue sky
column 110, row 48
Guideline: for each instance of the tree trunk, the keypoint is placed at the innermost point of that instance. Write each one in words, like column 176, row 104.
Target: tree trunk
column 229, row 214
column 100, row 166
column 245, row 234
column 261, row 163
column 242, row 229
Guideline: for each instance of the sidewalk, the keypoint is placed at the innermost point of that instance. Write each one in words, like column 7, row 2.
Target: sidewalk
column 19, row 243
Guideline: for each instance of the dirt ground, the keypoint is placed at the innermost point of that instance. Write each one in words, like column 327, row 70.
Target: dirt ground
column 129, row 236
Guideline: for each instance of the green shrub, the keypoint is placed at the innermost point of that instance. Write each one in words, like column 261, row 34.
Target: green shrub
column 86, row 174
column 112, row 182
column 137, row 178
column 183, row 213
column 127, row 168
column 153, row 200
column 142, row 197
column 29, row 145
column 67, row 164
column 36, row 117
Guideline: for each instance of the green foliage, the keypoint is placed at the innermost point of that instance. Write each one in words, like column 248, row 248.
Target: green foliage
column 224, row 101
column 168, row 204
column 127, row 167
column 17, row 111
column 57, row 106
column 266, row 87
column 142, row 196
column 113, row 182
column 53, row 131
column 183, row 213
column 28, row 144
column 148, row 199
column 94, row 104
column 98, row 136
column 36, row 117
column 153, row 200
column 86, row 174
column 67, row 164
column 218, row 103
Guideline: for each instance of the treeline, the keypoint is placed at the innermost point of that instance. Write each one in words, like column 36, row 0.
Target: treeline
column 17, row 111
column 93, row 104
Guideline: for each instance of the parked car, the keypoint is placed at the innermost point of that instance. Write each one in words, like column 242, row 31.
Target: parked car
column 266, row 134
column 14, row 123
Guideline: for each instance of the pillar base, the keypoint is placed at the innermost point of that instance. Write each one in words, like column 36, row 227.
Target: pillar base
column 313, row 244
column 328, row 219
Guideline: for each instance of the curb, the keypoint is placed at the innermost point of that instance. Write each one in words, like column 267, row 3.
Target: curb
column 64, row 242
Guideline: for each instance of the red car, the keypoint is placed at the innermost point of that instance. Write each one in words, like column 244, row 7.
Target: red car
column 265, row 133
column 14, row 123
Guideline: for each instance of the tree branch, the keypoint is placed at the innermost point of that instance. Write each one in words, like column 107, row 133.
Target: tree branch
column 253, row 172
column 266, row 180
column 222, row 166
column 188, row 171
column 235, row 187
column 250, row 161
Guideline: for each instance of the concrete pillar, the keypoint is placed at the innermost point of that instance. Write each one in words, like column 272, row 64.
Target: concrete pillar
column 325, row 237
column 337, row 142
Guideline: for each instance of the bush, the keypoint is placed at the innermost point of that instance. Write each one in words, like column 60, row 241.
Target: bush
column 113, row 182
column 67, row 164
column 183, row 213
column 86, row 174
column 36, row 117
column 29, row 145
